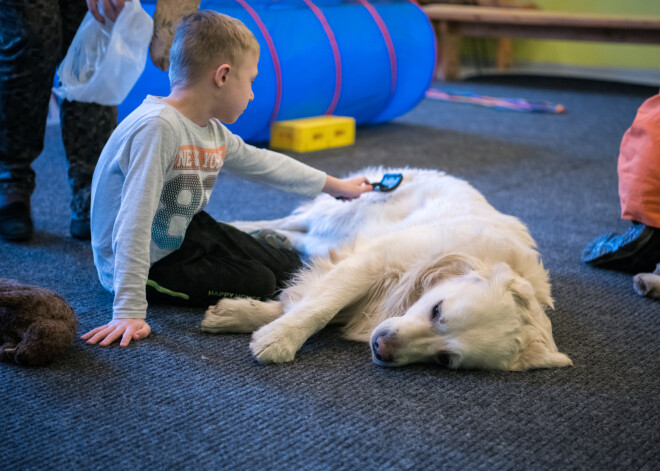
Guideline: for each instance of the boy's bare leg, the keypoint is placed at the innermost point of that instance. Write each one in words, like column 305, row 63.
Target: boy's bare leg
column 292, row 223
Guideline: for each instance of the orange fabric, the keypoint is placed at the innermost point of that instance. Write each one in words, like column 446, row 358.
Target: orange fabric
column 639, row 166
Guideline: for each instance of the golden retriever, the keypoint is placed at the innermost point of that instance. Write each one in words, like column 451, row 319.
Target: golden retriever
column 430, row 272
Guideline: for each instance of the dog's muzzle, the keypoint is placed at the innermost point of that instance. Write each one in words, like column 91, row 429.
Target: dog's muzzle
column 383, row 347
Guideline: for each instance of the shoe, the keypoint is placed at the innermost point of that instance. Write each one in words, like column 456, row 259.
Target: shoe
column 15, row 221
column 80, row 229
column 272, row 238
column 636, row 250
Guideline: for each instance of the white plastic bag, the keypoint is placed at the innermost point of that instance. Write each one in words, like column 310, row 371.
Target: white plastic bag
column 105, row 60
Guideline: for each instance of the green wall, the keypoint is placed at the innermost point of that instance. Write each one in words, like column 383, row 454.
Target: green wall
column 593, row 54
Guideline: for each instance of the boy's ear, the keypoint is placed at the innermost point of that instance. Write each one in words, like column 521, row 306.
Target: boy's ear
column 221, row 74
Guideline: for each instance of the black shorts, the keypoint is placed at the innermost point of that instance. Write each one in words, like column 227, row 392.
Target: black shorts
column 217, row 261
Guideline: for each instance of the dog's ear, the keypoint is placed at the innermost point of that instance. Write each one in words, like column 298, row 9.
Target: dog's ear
column 539, row 355
column 412, row 284
column 540, row 351
column 521, row 289
column 432, row 272
column 524, row 295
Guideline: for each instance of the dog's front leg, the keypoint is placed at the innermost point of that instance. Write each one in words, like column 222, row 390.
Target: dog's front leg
column 240, row 315
column 279, row 341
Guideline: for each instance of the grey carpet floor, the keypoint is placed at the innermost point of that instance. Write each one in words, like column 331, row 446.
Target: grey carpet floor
column 183, row 399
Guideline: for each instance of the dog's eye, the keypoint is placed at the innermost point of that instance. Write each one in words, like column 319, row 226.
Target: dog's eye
column 436, row 313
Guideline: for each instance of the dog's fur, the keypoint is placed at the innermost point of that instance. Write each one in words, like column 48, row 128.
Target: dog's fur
column 430, row 272
column 36, row 324
column 648, row 284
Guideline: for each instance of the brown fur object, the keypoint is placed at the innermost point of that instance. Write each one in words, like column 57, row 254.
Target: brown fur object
column 36, row 324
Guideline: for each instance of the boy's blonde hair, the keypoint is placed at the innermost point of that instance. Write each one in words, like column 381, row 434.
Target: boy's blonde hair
column 208, row 39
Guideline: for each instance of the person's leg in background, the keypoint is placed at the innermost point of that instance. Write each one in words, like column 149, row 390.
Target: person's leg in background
column 86, row 127
column 638, row 249
column 34, row 37
column 30, row 41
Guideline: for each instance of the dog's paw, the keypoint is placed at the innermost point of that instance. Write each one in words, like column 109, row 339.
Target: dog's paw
column 229, row 316
column 273, row 344
column 647, row 284
column 640, row 286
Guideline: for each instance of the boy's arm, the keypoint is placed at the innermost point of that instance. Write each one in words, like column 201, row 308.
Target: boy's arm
column 150, row 154
column 285, row 173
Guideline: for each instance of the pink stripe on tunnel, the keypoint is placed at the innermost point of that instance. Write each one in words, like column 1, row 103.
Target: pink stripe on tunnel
column 335, row 53
column 386, row 36
column 273, row 54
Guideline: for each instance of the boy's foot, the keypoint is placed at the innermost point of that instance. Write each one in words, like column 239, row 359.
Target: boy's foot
column 80, row 229
column 272, row 238
column 15, row 221
column 637, row 250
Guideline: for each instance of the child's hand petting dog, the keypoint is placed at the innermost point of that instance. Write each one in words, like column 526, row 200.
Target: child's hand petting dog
column 347, row 188
column 127, row 329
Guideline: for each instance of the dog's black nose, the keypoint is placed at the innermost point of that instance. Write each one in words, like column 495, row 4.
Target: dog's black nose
column 380, row 350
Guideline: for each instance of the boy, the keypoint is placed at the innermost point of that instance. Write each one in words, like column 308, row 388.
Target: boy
column 157, row 171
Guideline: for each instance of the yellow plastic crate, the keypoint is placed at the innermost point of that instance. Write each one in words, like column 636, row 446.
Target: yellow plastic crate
column 315, row 133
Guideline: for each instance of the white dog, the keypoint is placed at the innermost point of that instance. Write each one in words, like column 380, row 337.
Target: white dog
column 430, row 272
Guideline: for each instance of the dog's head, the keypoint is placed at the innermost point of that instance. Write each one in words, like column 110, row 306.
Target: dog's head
column 463, row 316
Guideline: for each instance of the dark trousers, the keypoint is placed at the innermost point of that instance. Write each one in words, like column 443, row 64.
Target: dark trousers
column 218, row 261
column 34, row 37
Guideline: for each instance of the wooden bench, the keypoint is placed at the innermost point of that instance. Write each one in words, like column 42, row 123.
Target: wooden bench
column 451, row 22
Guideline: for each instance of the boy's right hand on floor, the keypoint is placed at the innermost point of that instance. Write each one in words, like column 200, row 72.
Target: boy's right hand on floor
column 127, row 329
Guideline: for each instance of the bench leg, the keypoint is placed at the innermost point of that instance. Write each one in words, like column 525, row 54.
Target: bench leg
column 448, row 63
column 504, row 59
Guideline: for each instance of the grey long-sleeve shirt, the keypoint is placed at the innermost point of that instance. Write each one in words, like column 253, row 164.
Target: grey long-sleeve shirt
column 155, row 173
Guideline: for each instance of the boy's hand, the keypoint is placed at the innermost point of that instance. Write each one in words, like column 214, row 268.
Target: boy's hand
column 127, row 329
column 167, row 15
column 348, row 188
column 111, row 9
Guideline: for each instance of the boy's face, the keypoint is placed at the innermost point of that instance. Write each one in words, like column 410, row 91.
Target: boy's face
column 237, row 91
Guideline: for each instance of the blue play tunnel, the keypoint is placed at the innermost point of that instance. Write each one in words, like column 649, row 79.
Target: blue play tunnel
column 372, row 60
